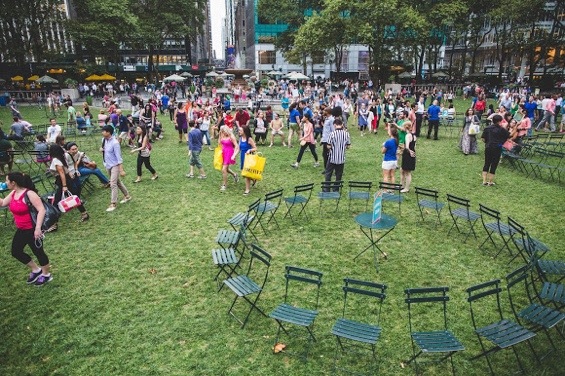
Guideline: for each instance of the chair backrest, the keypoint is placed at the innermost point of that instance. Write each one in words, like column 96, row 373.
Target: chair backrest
column 519, row 238
column 479, row 293
column 458, row 201
column 304, row 278
column 488, row 215
column 427, row 193
column 332, row 186
column 274, row 196
column 358, row 296
column 390, row 186
column 513, row 280
column 360, row 185
column 304, row 189
column 427, row 298
column 259, row 255
column 252, row 208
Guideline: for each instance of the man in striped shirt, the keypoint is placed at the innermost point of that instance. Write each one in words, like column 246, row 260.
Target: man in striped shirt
column 338, row 142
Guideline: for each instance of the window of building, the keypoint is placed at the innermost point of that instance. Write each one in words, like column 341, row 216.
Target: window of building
column 267, row 57
column 363, row 65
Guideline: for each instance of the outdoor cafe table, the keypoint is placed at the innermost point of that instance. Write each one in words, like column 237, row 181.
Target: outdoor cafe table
column 387, row 223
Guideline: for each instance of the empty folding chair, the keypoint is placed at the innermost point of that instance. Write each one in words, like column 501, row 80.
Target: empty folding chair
column 435, row 339
column 228, row 256
column 428, row 199
column 459, row 208
column 302, row 285
column 359, row 190
column 537, row 316
column 490, row 219
column 245, row 218
column 250, row 285
column 301, row 198
column 268, row 208
column 391, row 193
column 330, row 191
column 490, row 324
column 359, row 323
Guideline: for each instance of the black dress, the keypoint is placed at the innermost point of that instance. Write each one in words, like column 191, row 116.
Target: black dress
column 409, row 162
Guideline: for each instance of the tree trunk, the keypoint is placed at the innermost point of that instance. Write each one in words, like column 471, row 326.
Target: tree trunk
column 150, row 63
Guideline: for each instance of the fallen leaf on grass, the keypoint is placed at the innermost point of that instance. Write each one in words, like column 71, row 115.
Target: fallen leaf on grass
column 152, row 271
column 279, row 347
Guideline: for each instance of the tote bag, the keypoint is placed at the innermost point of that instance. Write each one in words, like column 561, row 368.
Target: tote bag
column 218, row 158
column 253, row 166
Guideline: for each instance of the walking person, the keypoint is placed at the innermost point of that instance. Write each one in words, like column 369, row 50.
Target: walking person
column 327, row 129
column 307, row 141
column 390, row 160
column 144, row 153
column 246, row 146
column 338, row 142
column 408, row 157
column 64, row 168
column 181, row 121
column 230, row 149
column 494, row 137
column 195, row 143
column 468, row 142
column 433, row 119
column 26, row 233
column 113, row 162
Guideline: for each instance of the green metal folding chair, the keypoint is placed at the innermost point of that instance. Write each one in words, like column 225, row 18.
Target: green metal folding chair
column 493, row 226
column 359, row 190
column 330, row 191
column 500, row 332
column 428, row 199
column 268, row 208
column 302, row 285
column 459, row 208
column 249, row 286
column 539, row 316
column 245, row 218
column 228, row 257
column 359, row 324
column 301, row 198
column 392, row 193
column 434, row 340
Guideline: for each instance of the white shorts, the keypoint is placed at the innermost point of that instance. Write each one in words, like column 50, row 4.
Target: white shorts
column 389, row 165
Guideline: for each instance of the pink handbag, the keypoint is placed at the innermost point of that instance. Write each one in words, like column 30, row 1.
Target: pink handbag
column 68, row 202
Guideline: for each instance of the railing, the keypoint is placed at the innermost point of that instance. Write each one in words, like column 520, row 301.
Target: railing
column 29, row 96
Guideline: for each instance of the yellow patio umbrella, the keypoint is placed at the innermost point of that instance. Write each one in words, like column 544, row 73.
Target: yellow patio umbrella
column 33, row 78
column 107, row 77
column 17, row 78
column 93, row 77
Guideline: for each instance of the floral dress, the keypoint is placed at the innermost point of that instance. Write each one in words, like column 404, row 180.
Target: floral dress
column 468, row 143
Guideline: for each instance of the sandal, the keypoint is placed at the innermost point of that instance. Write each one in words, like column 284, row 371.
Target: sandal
column 137, row 180
column 84, row 217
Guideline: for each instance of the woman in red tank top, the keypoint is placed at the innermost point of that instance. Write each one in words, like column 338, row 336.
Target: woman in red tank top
column 26, row 232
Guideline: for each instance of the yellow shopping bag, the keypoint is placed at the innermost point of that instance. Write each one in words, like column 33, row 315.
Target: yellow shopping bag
column 253, row 166
column 218, row 158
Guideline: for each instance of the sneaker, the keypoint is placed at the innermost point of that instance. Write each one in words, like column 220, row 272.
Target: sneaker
column 245, row 193
column 404, row 190
column 202, row 177
column 43, row 279
column 295, row 165
column 126, row 199
column 33, row 277
column 316, row 164
column 155, row 177
column 190, row 176
column 223, row 188
column 111, row 208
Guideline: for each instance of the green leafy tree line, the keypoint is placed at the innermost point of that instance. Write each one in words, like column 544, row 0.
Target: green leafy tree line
column 414, row 32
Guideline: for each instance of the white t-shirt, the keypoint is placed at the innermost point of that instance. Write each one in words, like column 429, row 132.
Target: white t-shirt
column 52, row 132
column 56, row 162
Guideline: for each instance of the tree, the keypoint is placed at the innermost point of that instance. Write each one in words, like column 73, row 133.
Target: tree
column 292, row 13
column 28, row 29
column 327, row 32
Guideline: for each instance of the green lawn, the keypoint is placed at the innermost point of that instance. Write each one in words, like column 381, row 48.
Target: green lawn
column 133, row 290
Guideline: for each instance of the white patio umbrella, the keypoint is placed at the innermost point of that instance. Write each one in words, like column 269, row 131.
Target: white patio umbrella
column 47, row 80
column 212, row 74
column 174, row 77
column 297, row 76
column 186, row 74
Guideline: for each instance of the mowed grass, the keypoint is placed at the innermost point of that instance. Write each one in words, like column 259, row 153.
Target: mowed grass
column 133, row 290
